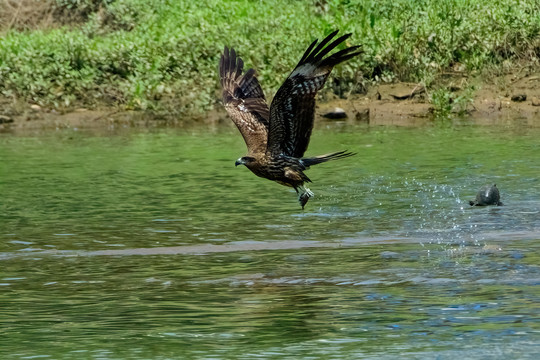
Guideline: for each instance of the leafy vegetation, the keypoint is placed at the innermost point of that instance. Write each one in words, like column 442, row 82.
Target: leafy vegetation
column 163, row 55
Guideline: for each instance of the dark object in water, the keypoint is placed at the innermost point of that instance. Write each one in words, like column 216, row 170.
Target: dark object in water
column 337, row 113
column 487, row 195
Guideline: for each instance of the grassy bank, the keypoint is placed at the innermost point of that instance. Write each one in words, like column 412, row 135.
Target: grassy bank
column 163, row 55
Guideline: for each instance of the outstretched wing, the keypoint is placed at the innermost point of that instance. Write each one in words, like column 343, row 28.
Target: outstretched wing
column 244, row 100
column 293, row 108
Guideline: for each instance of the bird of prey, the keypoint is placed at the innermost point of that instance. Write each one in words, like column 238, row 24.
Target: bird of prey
column 277, row 137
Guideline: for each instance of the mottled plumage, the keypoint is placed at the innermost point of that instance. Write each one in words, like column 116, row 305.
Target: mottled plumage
column 277, row 137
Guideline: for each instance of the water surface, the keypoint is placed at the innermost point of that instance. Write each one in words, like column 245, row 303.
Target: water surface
column 150, row 244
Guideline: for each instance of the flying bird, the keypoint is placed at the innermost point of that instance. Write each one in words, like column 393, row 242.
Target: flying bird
column 277, row 136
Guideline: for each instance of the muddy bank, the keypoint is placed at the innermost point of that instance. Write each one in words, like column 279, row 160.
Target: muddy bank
column 512, row 99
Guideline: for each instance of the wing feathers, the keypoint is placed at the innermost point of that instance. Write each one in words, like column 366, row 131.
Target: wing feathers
column 308, row 51
column 293, row 108
column 321, row 45
column 340, row 56
column 317, row 54
column 239, row 67
column 286, row 127
column 249, row 85
column 244, row 101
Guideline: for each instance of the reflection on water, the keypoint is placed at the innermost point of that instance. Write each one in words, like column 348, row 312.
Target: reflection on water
column 153, row 245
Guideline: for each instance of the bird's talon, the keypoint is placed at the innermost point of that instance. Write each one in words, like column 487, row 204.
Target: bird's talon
column 303, row 198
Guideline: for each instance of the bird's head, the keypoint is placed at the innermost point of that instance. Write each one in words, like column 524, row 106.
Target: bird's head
column 244, row 160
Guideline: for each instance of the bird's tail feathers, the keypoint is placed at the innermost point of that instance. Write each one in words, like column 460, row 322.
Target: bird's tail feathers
column 327, row 157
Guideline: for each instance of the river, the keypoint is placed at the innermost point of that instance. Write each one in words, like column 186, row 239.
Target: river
column 151, row 244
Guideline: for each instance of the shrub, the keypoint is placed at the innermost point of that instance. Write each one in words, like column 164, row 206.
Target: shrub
column 163, row 55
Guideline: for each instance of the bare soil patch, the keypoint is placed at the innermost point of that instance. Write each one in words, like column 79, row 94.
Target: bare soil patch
column 510, row 99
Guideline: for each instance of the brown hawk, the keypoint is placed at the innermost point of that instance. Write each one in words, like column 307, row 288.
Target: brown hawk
column 277, row 137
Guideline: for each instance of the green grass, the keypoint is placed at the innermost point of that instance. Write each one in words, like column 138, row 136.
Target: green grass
column 162, row 55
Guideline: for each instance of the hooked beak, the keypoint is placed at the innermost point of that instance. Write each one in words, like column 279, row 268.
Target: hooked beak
column 238, row 162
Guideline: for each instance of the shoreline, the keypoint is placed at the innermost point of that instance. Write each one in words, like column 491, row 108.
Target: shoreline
column 397, row 104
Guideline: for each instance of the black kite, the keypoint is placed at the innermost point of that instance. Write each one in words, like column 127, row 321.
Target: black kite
column 277, row 137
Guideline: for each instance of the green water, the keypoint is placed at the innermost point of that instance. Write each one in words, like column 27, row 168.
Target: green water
column 150, row 244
